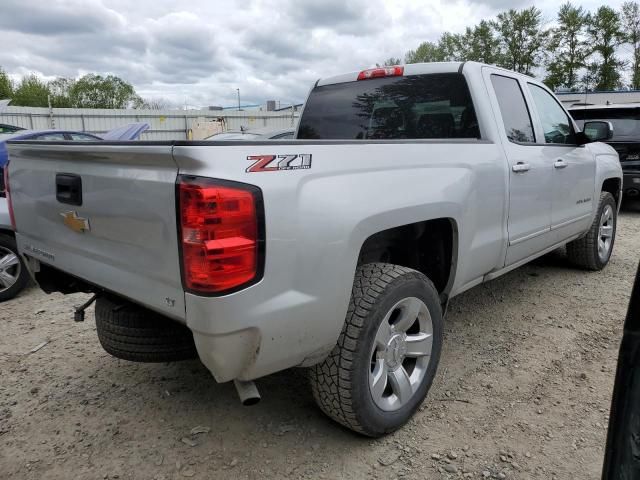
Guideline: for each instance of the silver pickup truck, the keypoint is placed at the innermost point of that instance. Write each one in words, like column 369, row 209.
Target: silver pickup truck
column 337, row 251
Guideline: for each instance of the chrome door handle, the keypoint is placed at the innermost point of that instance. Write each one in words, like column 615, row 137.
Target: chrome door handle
column 521, row 167
column 560, row 164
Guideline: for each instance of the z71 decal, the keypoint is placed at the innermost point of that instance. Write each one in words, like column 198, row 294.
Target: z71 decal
column 274, row 163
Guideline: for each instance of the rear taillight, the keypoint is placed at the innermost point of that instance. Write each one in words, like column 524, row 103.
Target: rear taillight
column 395, row 71
column 221, row 234
column 7, row 192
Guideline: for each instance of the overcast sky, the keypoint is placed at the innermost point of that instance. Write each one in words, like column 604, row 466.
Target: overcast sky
column 199, row 51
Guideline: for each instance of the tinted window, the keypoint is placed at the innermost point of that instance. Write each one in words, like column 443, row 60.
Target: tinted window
column 81, row 137
column 55, row 137
column 625, row 121
column 415, row 106
column 556, row 124
column 515, row 115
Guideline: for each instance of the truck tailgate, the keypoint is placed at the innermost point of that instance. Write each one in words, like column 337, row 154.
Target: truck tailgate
column 120, row 233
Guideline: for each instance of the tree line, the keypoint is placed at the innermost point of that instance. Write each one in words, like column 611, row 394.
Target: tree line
column 89, row 91
column 580, row 52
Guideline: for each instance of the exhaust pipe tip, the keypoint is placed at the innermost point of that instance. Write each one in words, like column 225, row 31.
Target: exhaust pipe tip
column 248, row 392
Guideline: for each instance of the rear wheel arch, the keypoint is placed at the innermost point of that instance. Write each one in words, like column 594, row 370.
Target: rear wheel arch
column 429, row 246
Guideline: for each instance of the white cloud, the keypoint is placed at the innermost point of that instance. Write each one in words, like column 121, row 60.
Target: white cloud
column 200, row 51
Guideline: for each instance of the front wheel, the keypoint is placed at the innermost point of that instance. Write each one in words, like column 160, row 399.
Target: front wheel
column 593, row 251
column 387, row 354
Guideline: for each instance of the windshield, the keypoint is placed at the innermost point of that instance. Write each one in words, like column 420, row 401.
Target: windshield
column 625, row 121
column 411, row 107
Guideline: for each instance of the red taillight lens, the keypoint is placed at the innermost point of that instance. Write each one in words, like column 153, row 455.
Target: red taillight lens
column 380, row 72
column 7, row 192
column 221, row 234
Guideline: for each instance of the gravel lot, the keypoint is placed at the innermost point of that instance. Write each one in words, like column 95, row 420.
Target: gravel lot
column 523, row 391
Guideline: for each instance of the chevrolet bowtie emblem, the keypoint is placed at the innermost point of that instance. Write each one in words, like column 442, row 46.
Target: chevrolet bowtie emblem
column 76, row 223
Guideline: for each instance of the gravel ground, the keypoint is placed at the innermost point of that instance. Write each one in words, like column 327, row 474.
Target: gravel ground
column 523, row 391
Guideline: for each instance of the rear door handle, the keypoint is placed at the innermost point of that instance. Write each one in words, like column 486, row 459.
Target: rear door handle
column 521, row 167
column 560, row 164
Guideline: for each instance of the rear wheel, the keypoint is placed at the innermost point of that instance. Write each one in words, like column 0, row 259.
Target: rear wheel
column 134, row 333
column 13, row 273
column 385, row 360
column 593, row 251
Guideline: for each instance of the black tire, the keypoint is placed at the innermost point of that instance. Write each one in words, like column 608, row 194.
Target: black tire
column 583, row 252
column 134, row 333
column 340, row 384
column 8, row 243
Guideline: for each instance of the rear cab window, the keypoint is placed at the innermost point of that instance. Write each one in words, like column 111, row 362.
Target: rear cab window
column 429, row 106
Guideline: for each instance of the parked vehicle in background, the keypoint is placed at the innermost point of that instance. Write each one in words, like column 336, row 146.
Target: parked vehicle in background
column 4, row 128
column 255, row 134
column 130, row 131
column 13, row 274
column 625, row 120
column 340, row 252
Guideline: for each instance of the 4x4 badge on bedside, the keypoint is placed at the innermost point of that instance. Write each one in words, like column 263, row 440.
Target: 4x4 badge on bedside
column 76, row 223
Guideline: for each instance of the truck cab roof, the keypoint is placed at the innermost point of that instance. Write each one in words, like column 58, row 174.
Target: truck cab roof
column 419, row 69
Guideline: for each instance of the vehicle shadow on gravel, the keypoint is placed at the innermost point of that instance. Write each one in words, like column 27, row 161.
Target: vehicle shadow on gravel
column 630, row 205
column 528, row 342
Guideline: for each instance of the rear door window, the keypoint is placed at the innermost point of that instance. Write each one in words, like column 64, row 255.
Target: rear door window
column 513, row 107
column 394, row 108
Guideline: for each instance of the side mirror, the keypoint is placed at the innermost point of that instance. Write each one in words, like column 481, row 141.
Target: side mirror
column 598, row 131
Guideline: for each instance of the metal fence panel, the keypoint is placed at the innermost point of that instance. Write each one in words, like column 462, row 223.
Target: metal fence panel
column 164, row 124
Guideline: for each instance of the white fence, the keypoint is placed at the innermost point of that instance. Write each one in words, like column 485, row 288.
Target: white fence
column 165, row 124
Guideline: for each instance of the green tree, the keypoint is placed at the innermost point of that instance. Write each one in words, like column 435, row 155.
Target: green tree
column 96, row 91
column 479, row 44
column 60, row 90
column 31, row 92
column 426, row 52
column 450, row 46
column 631, row 29
column 604, row 37
column 521, row 37
column 567, row 48
column 389, row 62
column 447, row 49
column 6, row 87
